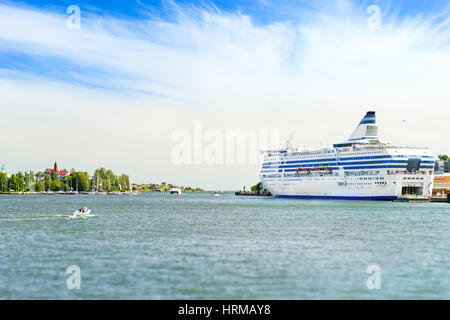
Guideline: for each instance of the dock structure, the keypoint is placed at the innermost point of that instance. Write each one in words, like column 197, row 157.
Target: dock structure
column 246, row 193
column 415, row 199
column 441, row 199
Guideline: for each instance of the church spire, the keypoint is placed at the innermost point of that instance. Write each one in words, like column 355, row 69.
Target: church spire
column 55, row 167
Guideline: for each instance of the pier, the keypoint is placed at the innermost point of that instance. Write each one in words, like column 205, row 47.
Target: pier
column 255, row 191
column 418, row 199
column 413, row 199
column 441, row 199
column 246, row 193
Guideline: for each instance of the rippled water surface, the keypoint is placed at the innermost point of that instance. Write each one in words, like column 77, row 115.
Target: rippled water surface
column 196, row 246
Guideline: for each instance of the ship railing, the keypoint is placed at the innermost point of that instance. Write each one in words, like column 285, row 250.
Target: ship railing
column 297, row 153
column 387, row 146
column 407, row 147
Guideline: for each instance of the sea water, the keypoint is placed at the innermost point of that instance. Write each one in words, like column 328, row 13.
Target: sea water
column 197, row 246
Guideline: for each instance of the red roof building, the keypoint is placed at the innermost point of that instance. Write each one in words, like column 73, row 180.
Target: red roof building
column 61, row 174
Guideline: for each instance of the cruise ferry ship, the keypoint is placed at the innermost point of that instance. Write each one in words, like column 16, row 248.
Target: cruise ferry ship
column 361, row 168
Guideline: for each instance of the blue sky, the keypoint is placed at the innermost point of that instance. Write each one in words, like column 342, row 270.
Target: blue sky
column 137, row 71
column 261, row 12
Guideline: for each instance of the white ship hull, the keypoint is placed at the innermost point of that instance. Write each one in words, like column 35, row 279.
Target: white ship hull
column 349, row 188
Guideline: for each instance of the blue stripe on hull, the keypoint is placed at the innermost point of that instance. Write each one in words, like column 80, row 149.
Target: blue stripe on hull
column 338, row 197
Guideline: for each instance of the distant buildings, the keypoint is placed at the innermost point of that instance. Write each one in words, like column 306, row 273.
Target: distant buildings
column 59, row 173
column 441, row 166
column 441, row 184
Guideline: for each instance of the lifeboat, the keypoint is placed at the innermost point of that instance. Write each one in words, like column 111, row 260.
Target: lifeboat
column 321, row 169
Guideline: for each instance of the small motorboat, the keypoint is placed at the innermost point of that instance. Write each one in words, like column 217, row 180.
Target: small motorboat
column 79, row 213
column 175, row 190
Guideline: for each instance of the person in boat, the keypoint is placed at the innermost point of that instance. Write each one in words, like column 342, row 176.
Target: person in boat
column 83, row 210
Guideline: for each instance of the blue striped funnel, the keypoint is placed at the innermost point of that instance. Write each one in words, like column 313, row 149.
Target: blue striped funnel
column 366, row 130
column 369, row 118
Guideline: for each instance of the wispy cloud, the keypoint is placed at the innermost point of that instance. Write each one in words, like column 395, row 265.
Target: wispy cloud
column 205, row 44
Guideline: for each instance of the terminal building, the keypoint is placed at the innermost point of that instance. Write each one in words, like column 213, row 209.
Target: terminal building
column 441, row 185
column 442, row 166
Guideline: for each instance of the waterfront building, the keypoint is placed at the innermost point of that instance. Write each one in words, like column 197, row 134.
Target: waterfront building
column 441, row 185
column 59, row 173
column 442, row 166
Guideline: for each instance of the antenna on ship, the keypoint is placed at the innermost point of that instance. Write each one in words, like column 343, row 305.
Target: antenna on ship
column 288, row 142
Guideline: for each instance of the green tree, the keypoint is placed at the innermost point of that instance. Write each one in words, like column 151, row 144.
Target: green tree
column 80, row 181
column 124, row 182
column 16, row 182
column 3, row 181
column 117, row 185
column 39, row 186
column 256, row 187
column 443, row 157
column 47, row 182
column 98, row 179
column 56, row 185
column 109, row 180
column 29, row 178
column 65, row 186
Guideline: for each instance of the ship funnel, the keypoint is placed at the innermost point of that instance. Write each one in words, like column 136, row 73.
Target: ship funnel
column 366, row 130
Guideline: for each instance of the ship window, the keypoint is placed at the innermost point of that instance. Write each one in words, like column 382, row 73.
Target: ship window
column 413, row 165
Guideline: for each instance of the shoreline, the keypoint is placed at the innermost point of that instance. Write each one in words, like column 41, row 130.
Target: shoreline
column 89, row 193
column 238, row 193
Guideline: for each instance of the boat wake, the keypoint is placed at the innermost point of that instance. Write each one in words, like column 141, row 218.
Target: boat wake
column 38, row 218
column 10, row 219
column 75, row 215
column 82, row 216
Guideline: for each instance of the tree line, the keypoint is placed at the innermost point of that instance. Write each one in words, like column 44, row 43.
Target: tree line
column 163, row 186
column 102, row 180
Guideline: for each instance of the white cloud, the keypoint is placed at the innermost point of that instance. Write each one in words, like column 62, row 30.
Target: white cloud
column 314, row 79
